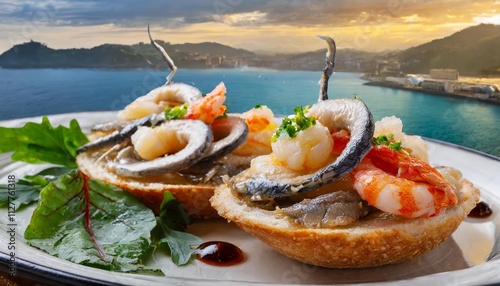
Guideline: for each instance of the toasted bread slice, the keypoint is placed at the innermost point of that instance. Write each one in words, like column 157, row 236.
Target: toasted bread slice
column 375, row 240
column 193, row 197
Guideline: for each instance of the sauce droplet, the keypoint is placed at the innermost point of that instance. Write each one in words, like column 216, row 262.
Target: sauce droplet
column 219, row 253
column 481, row 210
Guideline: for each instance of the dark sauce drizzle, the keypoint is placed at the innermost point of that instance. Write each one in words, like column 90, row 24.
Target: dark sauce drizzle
column 219, row 253
column 481, row 210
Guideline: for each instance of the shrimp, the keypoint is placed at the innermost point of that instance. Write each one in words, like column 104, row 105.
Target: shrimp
column 183, row 133
column 397, row 183
column 261, row 127
column 151, row 143
column 172, row 146
column 415, row 145
column 312, row 150
column 156, row 100
column 309, row 150
column 209, row 107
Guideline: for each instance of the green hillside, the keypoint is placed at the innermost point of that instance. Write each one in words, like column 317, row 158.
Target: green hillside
column 473, row 51
column 37, row 55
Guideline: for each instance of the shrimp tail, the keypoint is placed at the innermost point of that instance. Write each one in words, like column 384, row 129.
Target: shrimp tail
column 170, row 63
column 328, row 70
column 406, row 168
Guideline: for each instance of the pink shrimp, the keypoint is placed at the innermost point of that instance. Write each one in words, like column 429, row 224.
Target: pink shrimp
column 209, row 107
column 261, row 127
column 398, row 183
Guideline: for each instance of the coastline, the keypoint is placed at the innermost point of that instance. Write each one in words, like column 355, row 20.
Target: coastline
column 433, row 92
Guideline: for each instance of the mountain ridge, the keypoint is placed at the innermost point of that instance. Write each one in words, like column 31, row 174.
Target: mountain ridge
column 473, row 51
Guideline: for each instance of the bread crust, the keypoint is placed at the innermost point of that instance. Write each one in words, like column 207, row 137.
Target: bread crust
column 376, row 240
column 194, row 198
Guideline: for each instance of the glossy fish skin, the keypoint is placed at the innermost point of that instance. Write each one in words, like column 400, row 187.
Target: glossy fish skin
column 199, row 137
column 238, row 131
column 328, row 70
column 122, row 135
column 166, row 58
column 329, row 210
column 109, row 126
column 350, row 114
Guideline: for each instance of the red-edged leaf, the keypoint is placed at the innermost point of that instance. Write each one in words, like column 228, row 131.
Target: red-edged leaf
column 91, row 223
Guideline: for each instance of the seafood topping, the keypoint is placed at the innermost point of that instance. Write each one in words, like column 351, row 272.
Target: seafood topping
column 229, row 133
column 170, row 63
column 170, row 129
column 159, row 98
column 332, row 139
column 329, row 210
column 123, row 134
column 261, row 126
column 398, row 183
column 349, row 114
column 328, row 70
column 194, row 133
column 304, row 152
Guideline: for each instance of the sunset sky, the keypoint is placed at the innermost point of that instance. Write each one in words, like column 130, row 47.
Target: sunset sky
column 259, row 25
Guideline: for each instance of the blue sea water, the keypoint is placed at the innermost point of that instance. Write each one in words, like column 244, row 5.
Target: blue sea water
column 32, row 92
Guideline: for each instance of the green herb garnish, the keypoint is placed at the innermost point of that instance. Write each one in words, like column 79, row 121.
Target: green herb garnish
column 387, row 140
column 176, row 112
column 257, row 106
column 38, row 143
column 290, row 126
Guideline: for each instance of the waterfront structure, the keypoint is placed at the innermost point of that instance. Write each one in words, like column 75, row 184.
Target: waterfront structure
column 444, row 74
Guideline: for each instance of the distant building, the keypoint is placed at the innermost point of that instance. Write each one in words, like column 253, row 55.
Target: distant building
column 385, row 68
column 403, row 81
column 433, row 85
column 446, row 74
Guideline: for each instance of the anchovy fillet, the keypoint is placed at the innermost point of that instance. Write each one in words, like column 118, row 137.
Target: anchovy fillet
column 329, row 210
column 328, row 70
column 122, row 135
column 350, row 114
column 170, row 63
column 237, row 131
column 197, row 134
column 109, row 126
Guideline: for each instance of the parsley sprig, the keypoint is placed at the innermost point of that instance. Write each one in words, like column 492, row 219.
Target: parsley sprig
column 176, row 112
column 387, row 140
column 290, row 126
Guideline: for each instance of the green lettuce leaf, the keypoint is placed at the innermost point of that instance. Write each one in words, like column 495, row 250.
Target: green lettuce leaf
column 28, row 189
column 92, row 223
column 37, row 143
column 172, row 222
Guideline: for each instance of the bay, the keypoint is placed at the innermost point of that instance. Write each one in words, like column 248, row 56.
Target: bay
column 34, row 92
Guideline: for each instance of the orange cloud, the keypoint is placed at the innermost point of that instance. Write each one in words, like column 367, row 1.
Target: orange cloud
column 278, row 25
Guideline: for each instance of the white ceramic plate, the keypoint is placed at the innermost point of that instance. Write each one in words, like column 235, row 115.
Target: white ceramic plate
column 470, row 257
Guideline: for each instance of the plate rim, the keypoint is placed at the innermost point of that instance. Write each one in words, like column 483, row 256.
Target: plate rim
column 52, row 275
